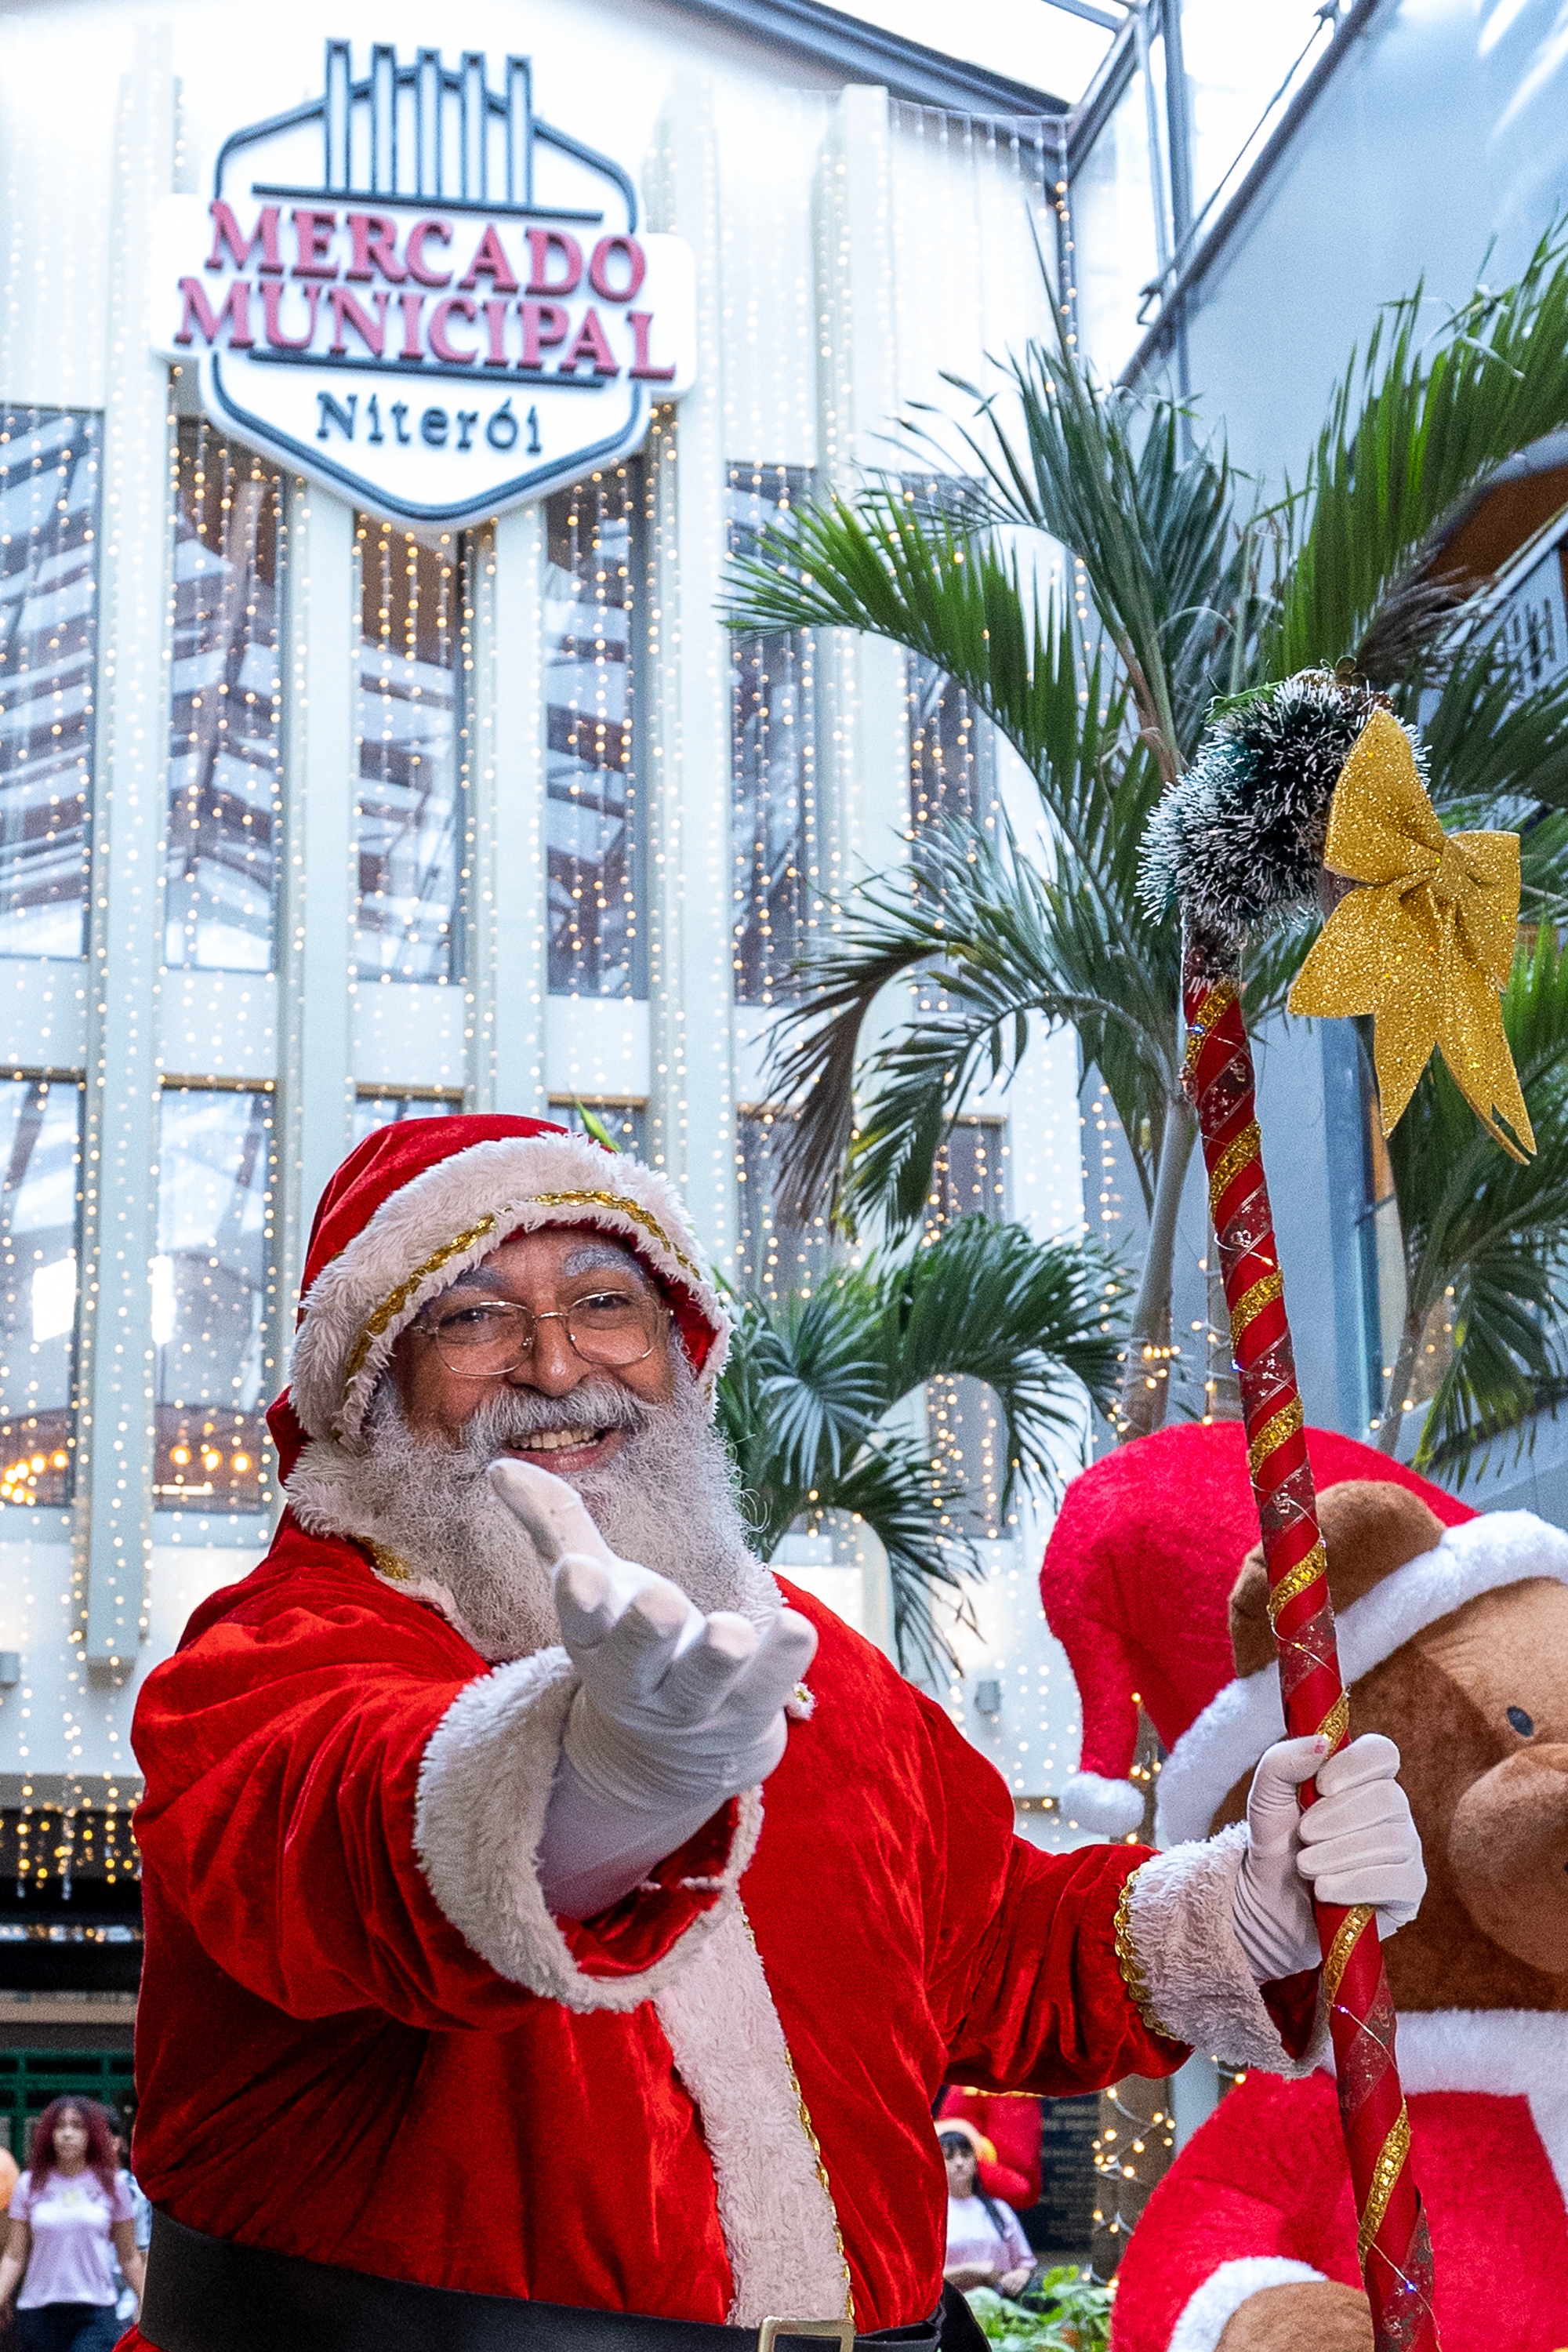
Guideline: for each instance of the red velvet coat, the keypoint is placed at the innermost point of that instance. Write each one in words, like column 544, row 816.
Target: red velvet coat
column 329, row 2065
column 1261, row 2196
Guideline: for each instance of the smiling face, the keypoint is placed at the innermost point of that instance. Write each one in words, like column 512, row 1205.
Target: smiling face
column 553, row 1275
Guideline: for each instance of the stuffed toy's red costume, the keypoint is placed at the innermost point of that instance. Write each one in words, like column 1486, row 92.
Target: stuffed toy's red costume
column 1451, row 1629
column 364, row 2040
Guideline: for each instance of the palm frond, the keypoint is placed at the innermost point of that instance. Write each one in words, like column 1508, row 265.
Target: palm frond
column 1485, row 1236
column 1416, row 424
column 1040, row 1323
column 803, row 1398
column 990, row 939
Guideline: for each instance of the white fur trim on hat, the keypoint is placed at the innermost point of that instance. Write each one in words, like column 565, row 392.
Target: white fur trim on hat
column 1207, row 2314
column 1181, row 1922
column 1497, row 1548
column 449, row 1218
column 484, row 1786
column 1111, row 1809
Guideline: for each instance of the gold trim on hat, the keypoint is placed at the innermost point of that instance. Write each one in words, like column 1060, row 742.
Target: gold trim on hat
column 393, row 1305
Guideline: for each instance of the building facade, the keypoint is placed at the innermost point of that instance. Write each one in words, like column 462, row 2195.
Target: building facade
column 324, row 804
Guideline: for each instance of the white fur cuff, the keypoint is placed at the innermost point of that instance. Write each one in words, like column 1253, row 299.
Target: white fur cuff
column 484, row 1787
column 1207, row 2314
column 1199, row 1986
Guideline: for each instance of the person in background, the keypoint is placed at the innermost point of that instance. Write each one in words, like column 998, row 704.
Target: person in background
column 985, row 2246
column 70, row 2213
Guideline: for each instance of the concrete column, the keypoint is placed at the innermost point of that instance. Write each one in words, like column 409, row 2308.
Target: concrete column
column 315, row 1082
column 113, row 1528
column 509, row 961
column 686, row 733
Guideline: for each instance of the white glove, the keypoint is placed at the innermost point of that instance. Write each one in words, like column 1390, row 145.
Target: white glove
column 1357, row 1845
column 677, row 1712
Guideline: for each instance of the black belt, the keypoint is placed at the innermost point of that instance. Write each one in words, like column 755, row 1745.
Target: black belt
column 209, row 2295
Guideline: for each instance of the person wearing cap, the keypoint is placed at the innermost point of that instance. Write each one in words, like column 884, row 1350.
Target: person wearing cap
column 557, row 1930
column 985, row 2245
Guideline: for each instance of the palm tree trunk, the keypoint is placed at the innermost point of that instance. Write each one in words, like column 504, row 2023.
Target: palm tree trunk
column 1399, row 1383
column 1146, row 1382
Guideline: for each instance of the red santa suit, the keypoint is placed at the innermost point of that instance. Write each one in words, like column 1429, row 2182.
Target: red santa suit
column 362, row 2037
column 1262, row 2197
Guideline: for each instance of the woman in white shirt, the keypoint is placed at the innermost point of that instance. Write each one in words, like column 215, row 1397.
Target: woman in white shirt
column 68, row 2212
column 985, row 2246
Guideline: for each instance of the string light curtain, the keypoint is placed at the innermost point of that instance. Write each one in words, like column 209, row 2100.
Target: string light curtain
column 213, row 1289
column 952, row 756
column 48, row 653
column 40, row 1196
column 226, row 728
column 774, row 1257
column 594, row 600
column 774, row 763
column 963, row 1423
column 413, row 752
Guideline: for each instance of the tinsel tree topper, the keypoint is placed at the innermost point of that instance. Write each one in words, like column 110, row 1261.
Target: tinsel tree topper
column 1311, row 792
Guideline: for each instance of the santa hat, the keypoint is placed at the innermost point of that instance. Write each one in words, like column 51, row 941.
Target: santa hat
column 1136, row 1583
column 418, row 1203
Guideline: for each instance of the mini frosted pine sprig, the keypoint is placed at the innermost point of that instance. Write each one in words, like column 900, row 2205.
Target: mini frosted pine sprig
column 1237, row 842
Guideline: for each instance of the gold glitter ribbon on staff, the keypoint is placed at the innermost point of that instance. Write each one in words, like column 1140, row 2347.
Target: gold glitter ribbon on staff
column 1427, row 943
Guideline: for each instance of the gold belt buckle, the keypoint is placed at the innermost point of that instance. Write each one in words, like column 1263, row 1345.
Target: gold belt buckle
column 842, row 2332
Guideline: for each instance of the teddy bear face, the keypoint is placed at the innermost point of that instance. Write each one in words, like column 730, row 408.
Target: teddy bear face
column 1508, row 1839
column 1478, row 1705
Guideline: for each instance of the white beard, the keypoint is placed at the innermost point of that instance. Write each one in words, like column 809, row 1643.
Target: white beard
column 666, row 1498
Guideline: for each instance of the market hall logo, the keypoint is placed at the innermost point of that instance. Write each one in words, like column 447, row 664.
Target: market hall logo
column 422, row 294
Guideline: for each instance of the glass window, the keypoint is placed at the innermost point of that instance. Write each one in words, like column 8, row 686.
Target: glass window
column 962, row 1420
column 1114, row 255
column 374, row 1110
column 774, row 817
column 593, row 629
column 213, row 1290
column 625, row 1123
column 952, row 762
column 772, row 1256
column 40, row 1137
column 412, row 747
column 225, row 729
column 1242, row 62
column 49, row 645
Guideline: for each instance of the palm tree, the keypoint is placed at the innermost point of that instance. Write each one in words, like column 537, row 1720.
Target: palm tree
column 805, row 1399
column 1188, row 593
column 1484, row 1241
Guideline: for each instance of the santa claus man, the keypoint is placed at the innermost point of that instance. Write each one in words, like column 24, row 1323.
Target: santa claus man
column 491, row 1997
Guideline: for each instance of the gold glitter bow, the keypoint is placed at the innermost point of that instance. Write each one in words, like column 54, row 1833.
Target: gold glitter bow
column 1427, row 944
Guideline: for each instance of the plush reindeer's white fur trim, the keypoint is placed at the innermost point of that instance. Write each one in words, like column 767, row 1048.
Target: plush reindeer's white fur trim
column 1204, row 2315
column 1199, row 1985
column 1089, row 1800
column 484, row 1785
column 1497, row 1548
column 498, row 1184
column 776, row 2214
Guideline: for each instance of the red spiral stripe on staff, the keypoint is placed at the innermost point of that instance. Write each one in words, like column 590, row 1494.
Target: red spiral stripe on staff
column 1395, row 2248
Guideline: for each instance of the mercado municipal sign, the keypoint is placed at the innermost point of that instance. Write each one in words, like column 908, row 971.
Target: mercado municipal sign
column 422, row 294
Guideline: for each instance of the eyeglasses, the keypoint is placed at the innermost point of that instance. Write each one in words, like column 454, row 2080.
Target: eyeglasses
column 484, row 1339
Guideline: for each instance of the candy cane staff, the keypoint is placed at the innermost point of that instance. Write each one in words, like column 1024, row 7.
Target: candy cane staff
column 557, row 1929
column 1311, row 779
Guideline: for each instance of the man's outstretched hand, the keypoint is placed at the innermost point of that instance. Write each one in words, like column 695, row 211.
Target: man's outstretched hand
column 676, row 1709
column 675, row 1713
